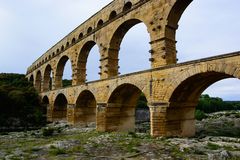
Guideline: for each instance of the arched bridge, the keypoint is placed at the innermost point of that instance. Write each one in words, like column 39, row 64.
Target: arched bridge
column 172, row 90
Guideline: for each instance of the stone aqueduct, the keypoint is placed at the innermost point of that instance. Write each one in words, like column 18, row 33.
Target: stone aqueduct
column 172, row 90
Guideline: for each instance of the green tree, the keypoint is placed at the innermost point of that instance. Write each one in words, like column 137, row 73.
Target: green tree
column 19, row 102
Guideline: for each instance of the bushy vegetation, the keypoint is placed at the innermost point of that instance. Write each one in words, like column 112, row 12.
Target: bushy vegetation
column 199, row 115
column 19, row 103
column 142, row 102
column 66, row 82
column 209, row 104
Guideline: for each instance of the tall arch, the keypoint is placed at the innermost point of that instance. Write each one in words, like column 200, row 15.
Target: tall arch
column 122, row 106
column 47, row 79
column 116, row 41
column 85, row 108
column 216, row 37
column 59, row 72
column 60, row 108
column 38, row 81
column 83, row 60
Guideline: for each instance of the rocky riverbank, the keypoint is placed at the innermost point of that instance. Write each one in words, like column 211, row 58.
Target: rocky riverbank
column 218, row 137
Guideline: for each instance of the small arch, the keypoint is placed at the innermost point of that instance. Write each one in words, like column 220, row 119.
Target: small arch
column 80, row 36
column 60, row 108
column 127, row 6
column 53, row 54
column 100, row 23
column 89, row 30
column 62, row 48
column 46, row 59
column 57, row 50
column 85, row 112
column 112, row 15
column 49, row 57
column 73, row 41
column 67, row 45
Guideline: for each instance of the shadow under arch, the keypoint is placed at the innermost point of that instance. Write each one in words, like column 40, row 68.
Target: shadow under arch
column 59, row 71
column 82, row 61
column 38, row 81
column 85, row 112
column 45, row 105
column 180, row 116
column 122, row 108
column 31, row 79
column 47, row 79
column 59, row 111
column 116, row 40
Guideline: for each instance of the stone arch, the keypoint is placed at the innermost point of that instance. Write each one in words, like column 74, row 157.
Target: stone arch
column 116, row 40
column 60, row 108
column 82, row 61
column 59, row 71
column 100, row 23
column 122, row 105
column 173, row 15
column 226, row 69
column 89, row 29
column 47, row 80
column 73, row 41
column 85, row 112
column 80, row 36
column 127, row 6
column 62, row 48
column 67, row 44
column 38, row 81
column 112, row 15
column 186, row 90
column 176, row 12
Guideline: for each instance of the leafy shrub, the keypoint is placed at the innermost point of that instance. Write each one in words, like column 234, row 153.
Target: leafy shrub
column 142, row 102
column 199, row 115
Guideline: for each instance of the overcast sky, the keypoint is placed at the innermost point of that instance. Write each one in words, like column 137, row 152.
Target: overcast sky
column 28, row 28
